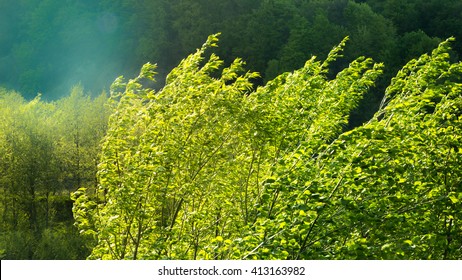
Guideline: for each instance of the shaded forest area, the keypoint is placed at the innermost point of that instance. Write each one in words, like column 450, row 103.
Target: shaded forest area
column 49, row 46
column 65, row 141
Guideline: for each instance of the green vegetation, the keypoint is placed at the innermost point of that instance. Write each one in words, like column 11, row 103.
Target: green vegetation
column 49, row 46
column 207, row 168
column 47, row 150
column 306, row 151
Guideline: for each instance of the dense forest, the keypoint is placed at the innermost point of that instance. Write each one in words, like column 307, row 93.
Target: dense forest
column 303, row 129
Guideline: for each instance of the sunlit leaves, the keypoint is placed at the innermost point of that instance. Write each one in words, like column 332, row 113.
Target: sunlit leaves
column 208, row 168
column 395, row 177
column 185, row 167
column 46, row 150
column 175, row 165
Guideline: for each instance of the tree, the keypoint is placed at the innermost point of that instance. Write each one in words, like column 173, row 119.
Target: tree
column 82, row 125
column 183, row 168
column 307, row 38
column 416, row 43
column 158, row 167
column 386, row 190
column 30, row 169
column 263, row 32
column 207, row 168
column 37, row 139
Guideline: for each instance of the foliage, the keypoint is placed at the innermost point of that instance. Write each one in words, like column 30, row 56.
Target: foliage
column 46, row 151
column 48, row 46
column 208, row 168
column 388, row 189
column 190, row 170
column 170, row 160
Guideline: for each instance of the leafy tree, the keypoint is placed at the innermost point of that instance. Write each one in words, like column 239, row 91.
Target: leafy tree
column 416, row 43
column 388, row 189
column 168, row 164
column 183, row 168
column 264, row 33
column 307, row 38
column 29, row 170
column 435, row 18
column 82, row 125
column 34, row 147
column 206, row 168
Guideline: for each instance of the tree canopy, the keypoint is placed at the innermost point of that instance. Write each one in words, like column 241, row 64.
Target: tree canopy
column 209, row 168
column 49, row 46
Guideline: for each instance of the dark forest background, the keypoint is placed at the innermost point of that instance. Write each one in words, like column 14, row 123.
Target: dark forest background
column 49, row 46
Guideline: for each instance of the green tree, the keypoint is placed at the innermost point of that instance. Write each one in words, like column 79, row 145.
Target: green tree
column 263, row 32
column 82, row 125
column 386, row 190
column 184, row 168
column 165, row 160
column 307, row 38
column 207, row 168
column 37, row 140
column 29, row 170
column 414, row 44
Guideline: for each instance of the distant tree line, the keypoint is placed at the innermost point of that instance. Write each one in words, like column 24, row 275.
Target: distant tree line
column 47, row 150
column 49, row 46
